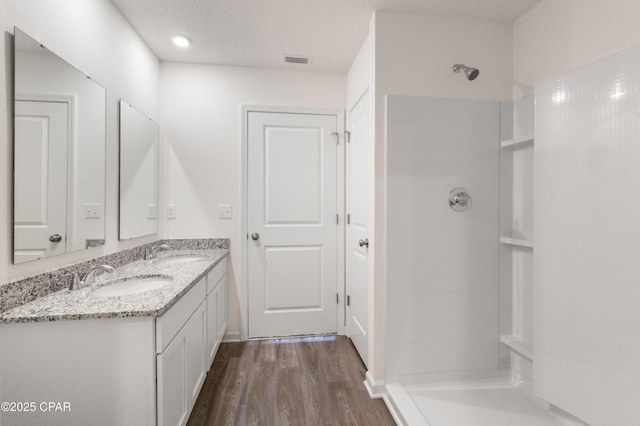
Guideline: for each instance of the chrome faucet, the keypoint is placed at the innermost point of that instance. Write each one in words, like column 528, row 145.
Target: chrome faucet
column 86, row 279
column 151, row 254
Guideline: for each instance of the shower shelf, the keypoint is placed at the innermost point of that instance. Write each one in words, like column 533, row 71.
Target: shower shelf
column 520, row 242
column 516, row 141
column 519, row 345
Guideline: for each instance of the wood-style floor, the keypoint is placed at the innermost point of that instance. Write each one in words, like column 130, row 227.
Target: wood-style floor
column 299, row 381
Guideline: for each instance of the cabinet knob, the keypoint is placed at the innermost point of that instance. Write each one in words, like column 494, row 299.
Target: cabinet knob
column 55, row 238
column 364, row 242
column 255, row 236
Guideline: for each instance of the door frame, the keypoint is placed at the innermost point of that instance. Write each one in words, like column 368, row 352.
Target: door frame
column 243, row 289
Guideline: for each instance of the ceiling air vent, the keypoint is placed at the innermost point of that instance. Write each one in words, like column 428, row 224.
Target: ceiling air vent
column 296, row 59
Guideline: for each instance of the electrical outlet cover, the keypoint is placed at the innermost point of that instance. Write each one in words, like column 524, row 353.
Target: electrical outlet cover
column 171, row 211
column 91, row 211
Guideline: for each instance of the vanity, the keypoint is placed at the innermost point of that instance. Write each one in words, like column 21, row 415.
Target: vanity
column 134, row 347
column 122, row 356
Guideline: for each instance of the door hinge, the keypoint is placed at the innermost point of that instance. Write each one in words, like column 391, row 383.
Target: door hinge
column 337, row 135
column 348, row 135
column 348, row 300
column 348, row 219
column 337, row 299
column 337, row 219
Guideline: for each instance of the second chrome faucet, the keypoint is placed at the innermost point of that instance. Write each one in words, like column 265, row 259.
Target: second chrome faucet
column 82, row 280
column 151, row 253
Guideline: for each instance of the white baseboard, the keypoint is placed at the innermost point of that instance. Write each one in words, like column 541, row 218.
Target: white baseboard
column 231, row 338
column 375, row 388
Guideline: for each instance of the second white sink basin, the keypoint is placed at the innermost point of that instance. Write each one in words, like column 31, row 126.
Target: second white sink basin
column 134, row 285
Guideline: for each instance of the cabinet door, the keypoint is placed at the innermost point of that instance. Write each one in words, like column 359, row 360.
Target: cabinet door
column 222, row 308
column 172, row 401
column 195, row 354
column 212, row 325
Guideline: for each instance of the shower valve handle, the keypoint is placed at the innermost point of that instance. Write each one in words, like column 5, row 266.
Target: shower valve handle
column 459, row 199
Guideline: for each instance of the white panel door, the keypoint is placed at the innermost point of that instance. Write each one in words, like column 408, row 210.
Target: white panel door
column 172, row 384
column 358, row 159
column 195, row 354
column 221, row 311
column 41, row 134
column 292, row 208
column 212, row 324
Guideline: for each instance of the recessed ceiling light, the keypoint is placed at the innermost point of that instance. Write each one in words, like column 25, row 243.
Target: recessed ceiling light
column 180, row 40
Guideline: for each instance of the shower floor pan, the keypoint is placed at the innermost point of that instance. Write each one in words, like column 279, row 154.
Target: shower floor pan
column 499, row 399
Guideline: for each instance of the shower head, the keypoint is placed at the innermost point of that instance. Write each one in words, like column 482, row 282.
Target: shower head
column 472, row 73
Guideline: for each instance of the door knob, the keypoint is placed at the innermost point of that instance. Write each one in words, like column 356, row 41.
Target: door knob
column 255, row 236
column 364, row 242
column 55, row 238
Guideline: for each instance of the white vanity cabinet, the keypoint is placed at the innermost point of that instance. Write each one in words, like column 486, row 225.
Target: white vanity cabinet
column 103, row 369
column 216, row 308
column 187, row 339
column 142, row 370
column 181, row 360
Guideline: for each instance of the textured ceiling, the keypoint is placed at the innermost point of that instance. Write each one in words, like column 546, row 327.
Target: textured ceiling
column 259, row 32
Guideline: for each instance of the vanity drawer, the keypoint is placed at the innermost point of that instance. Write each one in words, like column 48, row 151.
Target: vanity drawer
column 169, row 324
column 214, row 276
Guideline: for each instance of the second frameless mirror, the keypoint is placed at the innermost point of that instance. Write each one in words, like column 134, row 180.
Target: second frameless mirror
column 139, row 150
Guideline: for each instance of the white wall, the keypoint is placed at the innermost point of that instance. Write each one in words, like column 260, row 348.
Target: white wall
column 93, row 36
column 361, row 75
column 201, row 128
column 557, row 36
column 414, row 55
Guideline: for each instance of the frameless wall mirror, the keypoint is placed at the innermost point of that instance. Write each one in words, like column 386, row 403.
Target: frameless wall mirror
column 139, row 150
column 59, row 155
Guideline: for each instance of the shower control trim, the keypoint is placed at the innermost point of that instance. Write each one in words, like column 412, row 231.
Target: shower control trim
column 459, row 199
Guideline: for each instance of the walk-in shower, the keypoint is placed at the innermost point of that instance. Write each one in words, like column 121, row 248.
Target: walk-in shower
column 445, row 307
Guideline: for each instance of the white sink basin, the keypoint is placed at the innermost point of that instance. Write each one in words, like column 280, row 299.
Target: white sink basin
column 180, row 259
column 134, row 285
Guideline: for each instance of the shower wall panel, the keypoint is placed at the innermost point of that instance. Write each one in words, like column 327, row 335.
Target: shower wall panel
column 442, row 282
column 587, row 232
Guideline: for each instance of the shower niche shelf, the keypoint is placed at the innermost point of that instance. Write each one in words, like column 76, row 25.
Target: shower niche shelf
column 512, row 143
column 520, row 242
column 517, row 250
column 519, row 345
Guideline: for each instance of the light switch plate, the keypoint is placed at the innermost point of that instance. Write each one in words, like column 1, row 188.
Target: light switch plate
column 171, row 211
column 151, row 211
column 224, row 211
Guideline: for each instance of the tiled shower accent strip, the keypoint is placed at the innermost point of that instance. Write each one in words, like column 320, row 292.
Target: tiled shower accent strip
column 16, row 293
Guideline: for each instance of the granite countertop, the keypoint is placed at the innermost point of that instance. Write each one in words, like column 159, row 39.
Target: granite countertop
column 84, row 304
